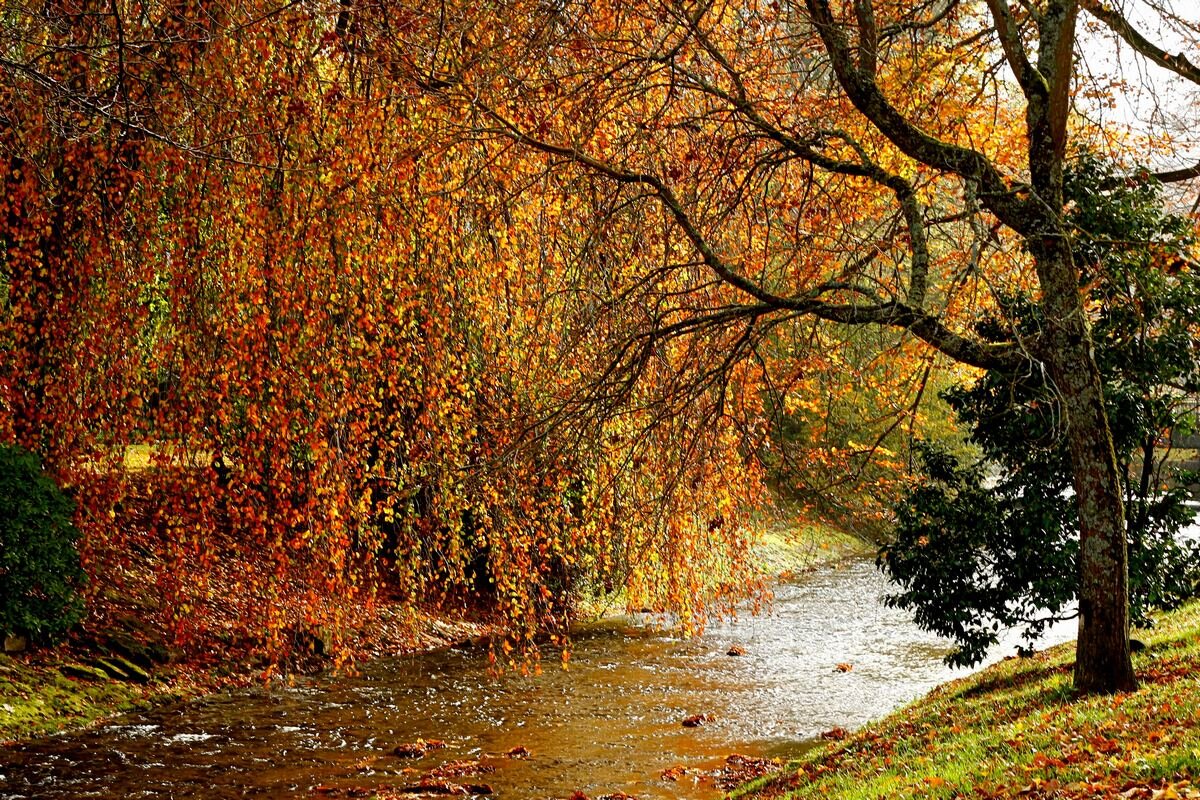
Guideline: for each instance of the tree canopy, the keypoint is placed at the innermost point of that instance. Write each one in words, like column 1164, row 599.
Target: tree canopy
column 520, row 284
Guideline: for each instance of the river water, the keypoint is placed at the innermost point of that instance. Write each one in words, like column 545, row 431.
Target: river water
column 611, row 723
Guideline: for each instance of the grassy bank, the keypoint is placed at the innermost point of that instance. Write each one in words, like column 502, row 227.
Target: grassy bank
column 37, row 699
column 796, row 546
column 1016, row 730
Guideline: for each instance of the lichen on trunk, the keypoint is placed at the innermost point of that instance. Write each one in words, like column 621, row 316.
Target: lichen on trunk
column 1102, row 657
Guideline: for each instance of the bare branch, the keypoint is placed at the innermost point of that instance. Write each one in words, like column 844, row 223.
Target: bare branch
column 89, row 106
column 938, row 15
column 1116, row 22
column 1029, row 79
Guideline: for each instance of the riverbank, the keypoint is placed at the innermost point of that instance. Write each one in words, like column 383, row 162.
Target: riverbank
column 788, row 549
column 75, row 686
column 129, row 667
column 1016, row 730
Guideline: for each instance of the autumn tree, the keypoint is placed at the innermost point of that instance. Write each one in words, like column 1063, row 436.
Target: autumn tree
column 517, row 285
column 865, row 163
column 281, row 339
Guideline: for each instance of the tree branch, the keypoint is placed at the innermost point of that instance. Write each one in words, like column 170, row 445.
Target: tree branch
column 1020, row 215
column 1002, row 356
column 1179, row 64
column 1029, row 79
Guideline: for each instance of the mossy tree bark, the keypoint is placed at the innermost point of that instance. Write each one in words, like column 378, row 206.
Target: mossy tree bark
column 1102, row 660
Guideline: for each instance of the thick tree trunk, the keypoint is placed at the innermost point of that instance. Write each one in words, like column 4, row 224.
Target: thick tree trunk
column 1102, row 660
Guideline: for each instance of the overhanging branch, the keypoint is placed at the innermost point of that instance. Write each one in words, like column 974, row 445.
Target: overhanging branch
column 1001, row 356
column 1116, row 22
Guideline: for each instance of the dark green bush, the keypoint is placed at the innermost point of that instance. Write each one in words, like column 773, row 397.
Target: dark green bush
column 40, row 574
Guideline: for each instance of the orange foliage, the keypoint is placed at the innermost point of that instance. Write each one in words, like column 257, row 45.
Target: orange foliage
column 255, row 297
column 507, row 303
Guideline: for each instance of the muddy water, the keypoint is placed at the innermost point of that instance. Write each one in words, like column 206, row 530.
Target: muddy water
column 612, row 723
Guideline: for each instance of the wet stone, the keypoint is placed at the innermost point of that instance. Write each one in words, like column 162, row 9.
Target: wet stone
column 409, row 750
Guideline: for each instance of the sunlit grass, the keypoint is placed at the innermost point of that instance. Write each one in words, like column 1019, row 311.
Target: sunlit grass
column 139, row 457
column 786, row 549
column 1017, row 730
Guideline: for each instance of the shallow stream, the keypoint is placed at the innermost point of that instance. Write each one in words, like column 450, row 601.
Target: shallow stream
column 611, row 723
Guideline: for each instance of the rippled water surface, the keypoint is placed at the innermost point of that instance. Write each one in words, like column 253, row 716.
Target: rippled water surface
column 611, row 723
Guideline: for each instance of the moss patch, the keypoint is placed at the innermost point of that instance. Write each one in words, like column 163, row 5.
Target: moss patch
column 39, row 699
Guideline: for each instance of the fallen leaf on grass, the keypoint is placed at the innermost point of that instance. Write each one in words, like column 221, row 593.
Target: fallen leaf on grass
column 739, row 768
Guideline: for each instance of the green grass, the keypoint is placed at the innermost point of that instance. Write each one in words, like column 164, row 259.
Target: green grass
column 1017, row 730
column 801, row 545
